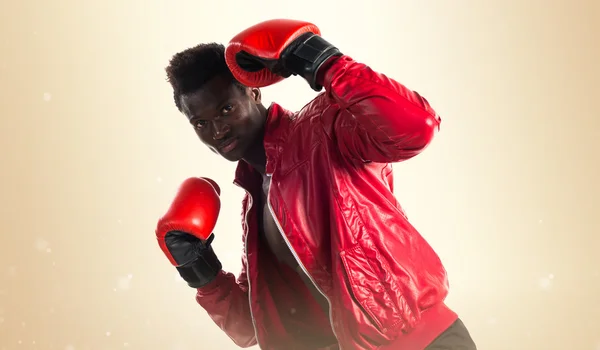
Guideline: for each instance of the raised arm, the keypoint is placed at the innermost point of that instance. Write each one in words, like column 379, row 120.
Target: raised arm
column 380, row 119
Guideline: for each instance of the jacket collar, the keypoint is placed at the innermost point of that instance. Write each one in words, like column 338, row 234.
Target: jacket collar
column 276, row 131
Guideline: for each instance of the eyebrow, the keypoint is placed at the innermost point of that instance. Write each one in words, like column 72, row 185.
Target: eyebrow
column 217, row 107
column 222, row 102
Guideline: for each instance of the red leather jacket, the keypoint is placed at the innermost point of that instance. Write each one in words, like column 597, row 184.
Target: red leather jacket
column 332, row 196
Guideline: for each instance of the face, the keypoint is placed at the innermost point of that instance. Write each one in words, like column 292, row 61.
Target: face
column 226, row 119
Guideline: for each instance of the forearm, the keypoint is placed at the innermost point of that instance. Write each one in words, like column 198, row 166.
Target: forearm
column 226, row 302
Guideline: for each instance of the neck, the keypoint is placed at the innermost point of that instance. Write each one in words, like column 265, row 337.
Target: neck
column 256, row 155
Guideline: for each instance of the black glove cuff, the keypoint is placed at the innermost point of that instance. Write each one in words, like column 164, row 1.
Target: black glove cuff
column 203, row 270
column 305, row 56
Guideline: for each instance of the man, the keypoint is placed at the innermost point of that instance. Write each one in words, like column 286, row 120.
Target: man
column 330, row 260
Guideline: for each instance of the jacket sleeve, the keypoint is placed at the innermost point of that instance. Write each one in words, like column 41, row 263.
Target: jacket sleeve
column 226, row 301
column 379, row 120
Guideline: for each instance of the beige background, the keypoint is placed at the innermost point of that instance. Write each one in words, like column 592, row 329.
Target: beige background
column 92, row 150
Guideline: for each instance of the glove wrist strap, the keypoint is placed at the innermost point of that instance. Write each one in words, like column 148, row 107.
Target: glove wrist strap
column 307, row 54
column 203, row 270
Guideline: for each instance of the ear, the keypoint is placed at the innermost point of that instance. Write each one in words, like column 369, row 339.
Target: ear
column 255, row 93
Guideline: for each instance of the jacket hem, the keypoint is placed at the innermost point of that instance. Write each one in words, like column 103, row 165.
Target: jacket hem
column 434, row 321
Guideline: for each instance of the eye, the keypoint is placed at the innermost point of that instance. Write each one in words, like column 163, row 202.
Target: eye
column 199, row 124
column 227, row 109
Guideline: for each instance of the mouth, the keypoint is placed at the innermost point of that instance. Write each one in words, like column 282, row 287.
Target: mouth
column 228, row 145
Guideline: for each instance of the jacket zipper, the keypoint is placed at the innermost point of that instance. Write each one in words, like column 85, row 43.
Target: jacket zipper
column 248, row 267
column 287, row 242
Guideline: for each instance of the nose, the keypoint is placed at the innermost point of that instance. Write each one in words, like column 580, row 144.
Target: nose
column 220, row 130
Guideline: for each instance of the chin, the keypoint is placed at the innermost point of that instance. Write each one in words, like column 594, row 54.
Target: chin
column 232, row 159
column 232, row 156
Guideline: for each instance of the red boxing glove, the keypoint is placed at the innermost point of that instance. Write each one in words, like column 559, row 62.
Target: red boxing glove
column 184, row 233
column 270, row 51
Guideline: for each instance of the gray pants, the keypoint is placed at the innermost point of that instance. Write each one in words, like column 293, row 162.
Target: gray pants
column 456, row 337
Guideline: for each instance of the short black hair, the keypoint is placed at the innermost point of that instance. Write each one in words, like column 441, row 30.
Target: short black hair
column 190, row 69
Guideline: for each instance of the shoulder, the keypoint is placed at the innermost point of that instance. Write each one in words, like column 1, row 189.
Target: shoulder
column 311, row 115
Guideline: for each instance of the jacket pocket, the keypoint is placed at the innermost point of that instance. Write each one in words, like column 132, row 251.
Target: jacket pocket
column 369, row 292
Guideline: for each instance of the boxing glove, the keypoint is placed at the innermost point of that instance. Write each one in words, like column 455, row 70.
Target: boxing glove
column 273, row 50
column 185, row 235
